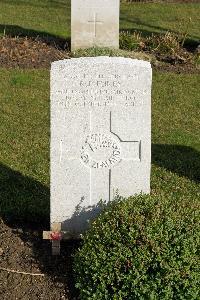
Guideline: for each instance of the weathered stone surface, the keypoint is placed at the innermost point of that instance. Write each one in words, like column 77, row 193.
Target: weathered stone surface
column 94, row 23
column 100, row 135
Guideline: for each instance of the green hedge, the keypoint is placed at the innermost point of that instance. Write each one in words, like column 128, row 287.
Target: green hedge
column 144, row 247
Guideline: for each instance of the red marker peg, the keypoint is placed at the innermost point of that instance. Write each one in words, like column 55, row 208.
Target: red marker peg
column 56, row 236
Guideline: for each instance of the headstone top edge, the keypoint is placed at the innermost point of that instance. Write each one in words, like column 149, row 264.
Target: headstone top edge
column 102, row 60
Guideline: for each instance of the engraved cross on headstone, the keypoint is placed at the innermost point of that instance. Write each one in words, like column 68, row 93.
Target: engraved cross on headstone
column 102, row 151
column 95, row 22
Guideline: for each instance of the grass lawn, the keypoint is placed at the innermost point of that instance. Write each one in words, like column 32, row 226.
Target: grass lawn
column 52, row 17
column 24, row 144
column 24, row 140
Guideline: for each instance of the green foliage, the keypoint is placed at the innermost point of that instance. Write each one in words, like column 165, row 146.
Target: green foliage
column 145, row 247
column 163, row 44
column 96, row 51
column 130, row 42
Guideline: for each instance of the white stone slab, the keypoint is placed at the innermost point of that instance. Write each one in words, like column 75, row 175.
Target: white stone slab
column 100, row 135
column 94, row 23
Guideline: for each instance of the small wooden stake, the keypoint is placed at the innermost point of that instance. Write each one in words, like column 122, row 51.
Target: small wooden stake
column 55, row 247
column 56, row 227
column 56, row 235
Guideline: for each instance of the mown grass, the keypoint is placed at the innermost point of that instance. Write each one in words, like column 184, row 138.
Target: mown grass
column 35, row 17
column 52, row 18
column 24, row 140
column 24, row 145
column 159, row 18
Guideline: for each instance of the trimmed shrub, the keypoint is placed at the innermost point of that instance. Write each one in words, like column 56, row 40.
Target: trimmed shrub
column 143, row 247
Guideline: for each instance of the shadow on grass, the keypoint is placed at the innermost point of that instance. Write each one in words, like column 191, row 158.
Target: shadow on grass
column 24, row 203
column 45, row 37
column 182, row 160
column 41, row 4
column 23, row 199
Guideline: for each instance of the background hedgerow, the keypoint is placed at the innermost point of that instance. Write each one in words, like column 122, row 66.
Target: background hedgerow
column 143, row 247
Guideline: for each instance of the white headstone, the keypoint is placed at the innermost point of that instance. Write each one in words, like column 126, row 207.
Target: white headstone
column 100, row 135
column 94, row 23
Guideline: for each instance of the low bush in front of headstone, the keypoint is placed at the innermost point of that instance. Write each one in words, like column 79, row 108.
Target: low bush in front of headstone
column 143, row 247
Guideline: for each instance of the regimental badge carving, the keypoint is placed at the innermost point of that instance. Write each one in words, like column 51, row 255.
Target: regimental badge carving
column 100, row 151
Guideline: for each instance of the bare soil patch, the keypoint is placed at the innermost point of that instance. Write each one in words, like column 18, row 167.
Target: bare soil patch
column 30, row 53
column 186, row 68
column 27, row 268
